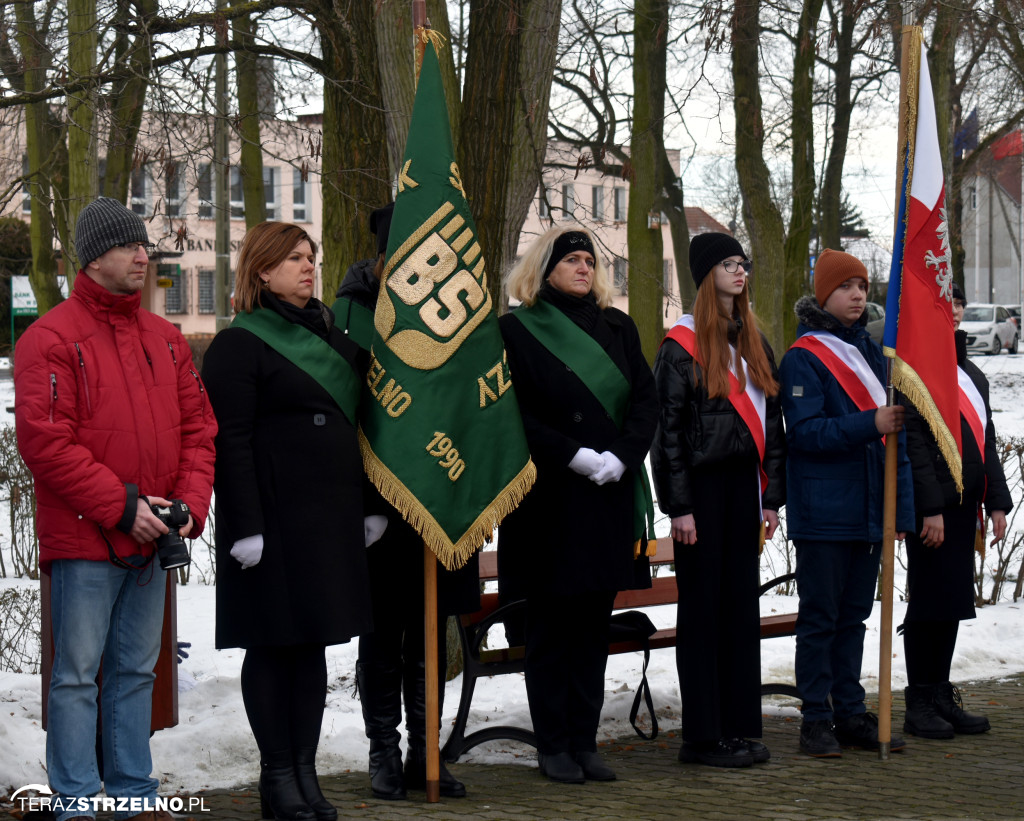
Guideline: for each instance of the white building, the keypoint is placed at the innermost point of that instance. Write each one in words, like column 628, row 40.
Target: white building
column 993, row 234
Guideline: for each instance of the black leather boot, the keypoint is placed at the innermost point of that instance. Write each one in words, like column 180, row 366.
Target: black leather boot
column 416, row 731
column 380, row 693
column 280, row 797
column 922, row 718
column 309, row 786
column 950, row 707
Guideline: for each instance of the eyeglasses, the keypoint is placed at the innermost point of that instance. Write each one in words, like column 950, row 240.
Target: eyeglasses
column 133, row 247
column 732, row 266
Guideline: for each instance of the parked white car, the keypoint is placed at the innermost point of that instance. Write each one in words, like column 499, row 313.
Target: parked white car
column 989, row 329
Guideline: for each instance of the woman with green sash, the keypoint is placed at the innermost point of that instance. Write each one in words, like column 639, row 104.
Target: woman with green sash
column 291, row 560
column 588, row 403
column 719, row 469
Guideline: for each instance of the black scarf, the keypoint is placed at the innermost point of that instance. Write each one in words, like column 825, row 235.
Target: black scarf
column 583, row 310
column 315, row 315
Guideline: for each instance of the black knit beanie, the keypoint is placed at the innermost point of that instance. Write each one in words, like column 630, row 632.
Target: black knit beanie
column 380, row 224
column 958, row 293
column 104, row 223
column 565, row 244
column 707, row 250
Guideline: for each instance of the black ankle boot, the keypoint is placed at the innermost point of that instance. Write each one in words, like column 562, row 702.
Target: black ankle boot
column 380, row 694
column 922, row 718
column 416, row 729
column 309, row 786
column 950, row 707
column 280, row 797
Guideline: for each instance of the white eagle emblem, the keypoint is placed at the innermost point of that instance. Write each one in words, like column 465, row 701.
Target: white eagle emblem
column 943, row 276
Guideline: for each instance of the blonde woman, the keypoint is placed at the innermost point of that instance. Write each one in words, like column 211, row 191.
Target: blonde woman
column 588, row 403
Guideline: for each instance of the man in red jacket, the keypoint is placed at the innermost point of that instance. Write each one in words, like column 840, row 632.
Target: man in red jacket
column 111, row 419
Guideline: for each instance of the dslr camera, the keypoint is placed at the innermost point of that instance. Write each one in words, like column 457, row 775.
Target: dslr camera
column 171, row 548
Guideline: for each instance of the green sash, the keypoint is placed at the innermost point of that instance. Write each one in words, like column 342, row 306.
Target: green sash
column 356, row 320
column 588, row 360
column 309, row 353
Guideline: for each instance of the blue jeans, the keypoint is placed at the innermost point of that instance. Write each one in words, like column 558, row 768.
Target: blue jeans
column 836, row 582
column 100, row 611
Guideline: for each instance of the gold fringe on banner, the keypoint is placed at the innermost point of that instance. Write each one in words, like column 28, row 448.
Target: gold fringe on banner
column 907, row 382
column 451, row 555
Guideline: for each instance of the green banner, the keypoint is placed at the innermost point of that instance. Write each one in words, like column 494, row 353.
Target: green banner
column 441, row 434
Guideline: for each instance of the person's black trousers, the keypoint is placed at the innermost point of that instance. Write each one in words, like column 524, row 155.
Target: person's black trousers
column 718, row 643
column 566, row 656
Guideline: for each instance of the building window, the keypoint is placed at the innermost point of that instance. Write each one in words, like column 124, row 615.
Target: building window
column 542, row 204
column 237, row 197
column 207, row 304
column 620, row 204
column 172, row 188
column 26, row 199
column 974, row 198
column 302, row 201
column 620, row 275
column 597, row 203
column 270, row 177
column 139, row 191
column 205, row 185
column 568, row 200
column 667, row 279
column 175, row 297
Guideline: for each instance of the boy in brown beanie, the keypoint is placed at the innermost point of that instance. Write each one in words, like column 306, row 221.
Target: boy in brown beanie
column 833, row 400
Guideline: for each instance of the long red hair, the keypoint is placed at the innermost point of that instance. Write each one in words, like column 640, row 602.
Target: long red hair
column 712, row 332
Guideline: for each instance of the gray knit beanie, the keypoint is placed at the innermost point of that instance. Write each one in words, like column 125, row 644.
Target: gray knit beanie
column 104, row 223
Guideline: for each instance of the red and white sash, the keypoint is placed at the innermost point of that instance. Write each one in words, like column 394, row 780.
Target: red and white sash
column 848, row 365
column 972, row 408
column 749, row 402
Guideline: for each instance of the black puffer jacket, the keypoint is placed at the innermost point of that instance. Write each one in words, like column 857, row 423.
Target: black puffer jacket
column 695, row 431
column 934, row 489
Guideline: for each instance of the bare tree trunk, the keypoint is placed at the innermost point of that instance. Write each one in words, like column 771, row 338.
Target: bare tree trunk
column 801, row 219
column 646, row 292
column 83, row 173
column 529, row 142
column 129, row 99
column 247, row 79
column 489, row 103
column 671, row 203
column 832, row 185
column 355, row 155
column 42, row 148
column 397, row 76
column 762, row 217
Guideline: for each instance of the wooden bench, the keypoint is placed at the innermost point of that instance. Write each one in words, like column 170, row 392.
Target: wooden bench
column 481, row 662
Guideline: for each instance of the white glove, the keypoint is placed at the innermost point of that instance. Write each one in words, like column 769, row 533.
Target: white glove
column 610, row 471
column 374, row 527
column 248, row 551
column 586, row 461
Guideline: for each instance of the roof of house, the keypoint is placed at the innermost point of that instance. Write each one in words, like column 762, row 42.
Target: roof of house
column 700, row 221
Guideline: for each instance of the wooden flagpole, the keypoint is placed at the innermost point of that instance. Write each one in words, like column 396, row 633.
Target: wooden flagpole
column 430, row 671
column 907, row 45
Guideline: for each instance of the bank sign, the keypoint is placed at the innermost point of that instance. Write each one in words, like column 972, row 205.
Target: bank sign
column 23, row 300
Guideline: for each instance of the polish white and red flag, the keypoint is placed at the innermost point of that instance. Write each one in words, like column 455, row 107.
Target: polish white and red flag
column 918, row 332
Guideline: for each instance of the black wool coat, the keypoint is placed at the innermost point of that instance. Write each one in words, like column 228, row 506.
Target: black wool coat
column 288, row 466
column 570, row 535
column 940, row 580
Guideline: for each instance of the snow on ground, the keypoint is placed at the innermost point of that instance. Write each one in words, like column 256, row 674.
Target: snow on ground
column 213, row 747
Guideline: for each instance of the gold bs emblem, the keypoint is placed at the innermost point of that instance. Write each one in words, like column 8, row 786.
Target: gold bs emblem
column 439, row 271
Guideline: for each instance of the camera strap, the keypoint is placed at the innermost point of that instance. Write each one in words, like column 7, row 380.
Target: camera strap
column 116, row 560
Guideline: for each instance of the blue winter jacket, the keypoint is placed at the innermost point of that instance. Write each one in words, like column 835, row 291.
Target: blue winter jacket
column 836, row 460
